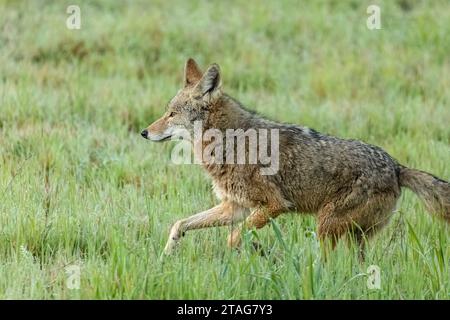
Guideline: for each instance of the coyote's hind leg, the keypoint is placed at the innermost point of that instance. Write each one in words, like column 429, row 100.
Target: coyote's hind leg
column 331, row 227
column 360, row 222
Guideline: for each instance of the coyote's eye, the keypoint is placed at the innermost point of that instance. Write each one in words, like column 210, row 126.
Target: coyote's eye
column 172, row 114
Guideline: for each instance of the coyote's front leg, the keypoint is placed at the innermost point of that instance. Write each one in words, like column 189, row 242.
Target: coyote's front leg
column 224, row 214
column 257, row 219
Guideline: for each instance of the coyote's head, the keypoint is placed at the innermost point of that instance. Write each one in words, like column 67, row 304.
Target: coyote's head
column 192, row 103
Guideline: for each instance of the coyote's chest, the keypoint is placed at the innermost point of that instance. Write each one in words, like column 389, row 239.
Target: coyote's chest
column 244, row 186
column 236, row 183
column 234, row 193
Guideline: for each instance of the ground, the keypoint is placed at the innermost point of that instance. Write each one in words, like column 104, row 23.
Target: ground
column 81, row 190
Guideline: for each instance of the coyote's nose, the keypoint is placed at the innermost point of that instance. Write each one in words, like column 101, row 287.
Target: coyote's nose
column 144, row 133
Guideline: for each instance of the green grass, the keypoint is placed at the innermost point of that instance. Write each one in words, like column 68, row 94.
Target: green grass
column 78, row 185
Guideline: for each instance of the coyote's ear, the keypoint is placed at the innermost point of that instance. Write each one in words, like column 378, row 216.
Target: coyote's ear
column 192, row 73
column 210, row 82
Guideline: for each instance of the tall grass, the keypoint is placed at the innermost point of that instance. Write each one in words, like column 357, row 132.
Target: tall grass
column 78, row 186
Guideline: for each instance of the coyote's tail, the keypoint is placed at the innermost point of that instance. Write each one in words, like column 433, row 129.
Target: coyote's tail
column 434, row 192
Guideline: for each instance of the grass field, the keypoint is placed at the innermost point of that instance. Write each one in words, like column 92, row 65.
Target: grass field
column 80, row 187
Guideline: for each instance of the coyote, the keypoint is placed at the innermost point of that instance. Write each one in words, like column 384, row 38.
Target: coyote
column 352, row 187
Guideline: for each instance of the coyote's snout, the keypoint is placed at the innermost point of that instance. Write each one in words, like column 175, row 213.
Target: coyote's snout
column 351, row 186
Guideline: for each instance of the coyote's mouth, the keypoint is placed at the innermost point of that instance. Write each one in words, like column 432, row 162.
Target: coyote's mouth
column 158, row 138
column 155, row 137
column 163, row 139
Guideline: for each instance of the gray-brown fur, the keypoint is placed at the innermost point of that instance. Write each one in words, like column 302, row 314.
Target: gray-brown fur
column 349, row 185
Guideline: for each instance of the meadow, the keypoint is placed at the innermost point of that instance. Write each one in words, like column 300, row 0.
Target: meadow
column 81, row 190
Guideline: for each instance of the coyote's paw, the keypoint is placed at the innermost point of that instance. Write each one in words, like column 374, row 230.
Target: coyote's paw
column 173, row 240
column 170, row 247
